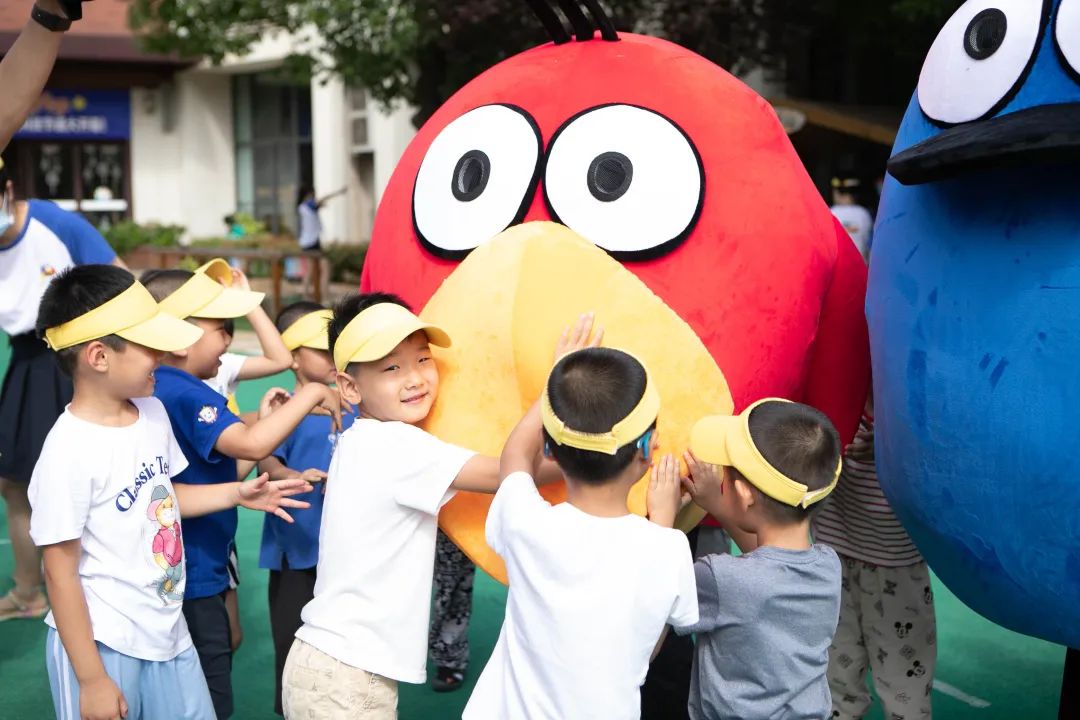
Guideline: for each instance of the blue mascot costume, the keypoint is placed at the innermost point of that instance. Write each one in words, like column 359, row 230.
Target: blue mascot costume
column 974, row 312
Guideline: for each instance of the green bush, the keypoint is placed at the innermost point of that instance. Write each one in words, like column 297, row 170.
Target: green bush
column 345, row 261
column 126, row 236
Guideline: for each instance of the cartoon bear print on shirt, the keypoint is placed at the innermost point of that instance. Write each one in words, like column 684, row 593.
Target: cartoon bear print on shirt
column 167, row 545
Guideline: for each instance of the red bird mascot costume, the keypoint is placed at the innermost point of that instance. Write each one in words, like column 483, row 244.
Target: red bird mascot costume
column 624, row 175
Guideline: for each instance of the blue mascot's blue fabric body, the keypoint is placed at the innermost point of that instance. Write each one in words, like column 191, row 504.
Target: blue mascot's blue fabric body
column 974, row 313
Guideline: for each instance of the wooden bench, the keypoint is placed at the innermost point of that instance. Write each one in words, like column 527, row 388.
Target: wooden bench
column 170, row 257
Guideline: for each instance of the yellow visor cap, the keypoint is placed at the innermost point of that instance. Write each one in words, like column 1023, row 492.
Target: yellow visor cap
column 622, row 433
column 207, row 295
column 726, row 440
column 375, row 332
column 132, row 315
column 309, row 331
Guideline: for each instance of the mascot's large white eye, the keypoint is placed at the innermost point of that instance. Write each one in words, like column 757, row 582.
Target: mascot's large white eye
column 1067, row 34
column 980, row 58
column 477, row 179
column 625, row 178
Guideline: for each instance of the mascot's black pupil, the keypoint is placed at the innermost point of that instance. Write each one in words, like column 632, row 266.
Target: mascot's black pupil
column 610, row 175
column 985, row 33
column 470, row 175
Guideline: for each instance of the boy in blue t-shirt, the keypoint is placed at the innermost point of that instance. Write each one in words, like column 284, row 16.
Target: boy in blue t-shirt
column 291, row 551
column 213, row 439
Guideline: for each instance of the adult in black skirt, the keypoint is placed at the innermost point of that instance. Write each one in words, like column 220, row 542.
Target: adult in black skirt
column 37, row 241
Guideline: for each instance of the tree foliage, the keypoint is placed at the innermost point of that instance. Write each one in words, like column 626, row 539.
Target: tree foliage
column 421, row 51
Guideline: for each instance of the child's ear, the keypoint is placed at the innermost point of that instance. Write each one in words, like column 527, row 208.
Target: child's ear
column 348, row 388
column 295, row 360
column 744, row 493
column 96, row 355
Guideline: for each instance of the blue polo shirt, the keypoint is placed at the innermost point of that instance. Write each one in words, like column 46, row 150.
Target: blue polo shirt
column 199, row 415
column 311, row 445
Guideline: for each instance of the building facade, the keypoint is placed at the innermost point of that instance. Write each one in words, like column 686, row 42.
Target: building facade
column 124, row 134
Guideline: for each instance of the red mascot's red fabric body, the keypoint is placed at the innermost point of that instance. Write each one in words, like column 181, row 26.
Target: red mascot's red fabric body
column 661, row 160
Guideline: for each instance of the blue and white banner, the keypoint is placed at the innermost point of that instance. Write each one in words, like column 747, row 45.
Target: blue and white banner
column 80, row 115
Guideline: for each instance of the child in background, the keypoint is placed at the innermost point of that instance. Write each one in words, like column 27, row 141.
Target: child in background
column 366, row 628
column 887, row 620
column 234, row 368
column 291, row 551
column 213, row 439
column 768, row 616
column 107, row 514
column 592, row 586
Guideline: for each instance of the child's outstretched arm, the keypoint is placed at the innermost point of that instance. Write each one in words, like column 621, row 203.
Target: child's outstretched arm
column 257, row 494
column 257, row 441
column 276, row 357
column 278, row 470
column 99, row 697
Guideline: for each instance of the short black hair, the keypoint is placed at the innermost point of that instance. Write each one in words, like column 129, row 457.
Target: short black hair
column 352, row 306
column 75, row 292
column 163, row 283
column 591, row 390
column 291, row 313
column 802, row 443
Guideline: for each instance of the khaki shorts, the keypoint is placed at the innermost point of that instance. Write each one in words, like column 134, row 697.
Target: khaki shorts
column 315, row 686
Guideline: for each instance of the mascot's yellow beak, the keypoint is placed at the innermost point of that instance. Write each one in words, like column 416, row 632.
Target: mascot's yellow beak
column 504, row 307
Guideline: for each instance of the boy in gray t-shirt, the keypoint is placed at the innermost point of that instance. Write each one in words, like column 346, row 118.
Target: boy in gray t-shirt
column 768, row 616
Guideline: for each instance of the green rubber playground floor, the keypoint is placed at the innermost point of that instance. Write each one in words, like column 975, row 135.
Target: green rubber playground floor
column 984, row 671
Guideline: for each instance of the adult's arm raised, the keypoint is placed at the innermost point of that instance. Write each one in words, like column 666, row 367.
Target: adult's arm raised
column 25, row 69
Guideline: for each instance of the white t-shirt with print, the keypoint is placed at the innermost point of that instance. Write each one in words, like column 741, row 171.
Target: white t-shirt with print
column 228, row 374
column 387, row 482
column 110, row 488
column 589, row 598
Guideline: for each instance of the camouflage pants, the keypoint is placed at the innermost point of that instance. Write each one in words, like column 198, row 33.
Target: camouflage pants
column 448, row 637
column 887, row 626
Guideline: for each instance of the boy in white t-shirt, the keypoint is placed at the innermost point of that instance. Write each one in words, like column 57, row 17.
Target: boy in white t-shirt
column 366, row 628
column 107, row 515
column 592, row 586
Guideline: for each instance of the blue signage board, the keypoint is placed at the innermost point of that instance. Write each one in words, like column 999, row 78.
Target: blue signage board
column 79, row 115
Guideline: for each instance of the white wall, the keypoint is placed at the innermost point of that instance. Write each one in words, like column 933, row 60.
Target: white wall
column 186, row 174
column 349, row 218
column 182, row 166
column 391, row 133
column 330, row 157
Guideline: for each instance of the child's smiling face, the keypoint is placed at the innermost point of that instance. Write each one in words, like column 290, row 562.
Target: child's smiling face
column 401, row 386
column 204, row 357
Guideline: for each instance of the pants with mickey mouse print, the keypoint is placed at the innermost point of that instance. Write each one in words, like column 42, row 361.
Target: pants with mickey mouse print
column 448, row 635
column 887, row 626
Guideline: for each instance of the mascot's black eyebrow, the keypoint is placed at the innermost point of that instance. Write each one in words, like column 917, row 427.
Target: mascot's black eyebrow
column 583, row 27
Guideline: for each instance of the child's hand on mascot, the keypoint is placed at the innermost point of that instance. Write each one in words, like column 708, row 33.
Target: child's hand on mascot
column 666, row 498
column 583, row 334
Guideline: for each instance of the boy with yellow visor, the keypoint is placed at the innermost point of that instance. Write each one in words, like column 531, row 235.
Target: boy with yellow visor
column 107, row 515
column 593, row 587
column 367, row 625
column 769, row 615
column 213, row 438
